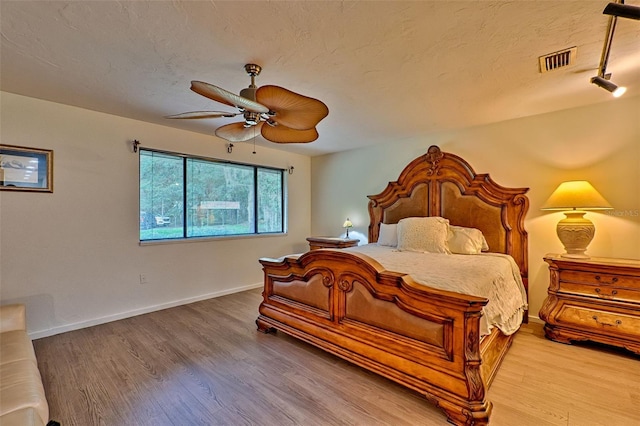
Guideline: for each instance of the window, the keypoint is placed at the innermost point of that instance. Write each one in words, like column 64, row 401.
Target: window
column 191, row 197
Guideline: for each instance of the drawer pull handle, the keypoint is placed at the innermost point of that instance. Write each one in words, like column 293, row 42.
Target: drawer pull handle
column 613, row 280
column 617, row 323
column 605, row 295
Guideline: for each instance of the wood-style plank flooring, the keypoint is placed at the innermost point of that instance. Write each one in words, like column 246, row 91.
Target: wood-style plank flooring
column 205, row 364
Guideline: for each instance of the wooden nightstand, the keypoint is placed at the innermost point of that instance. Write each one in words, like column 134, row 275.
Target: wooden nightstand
column 595, row 299
column 331, row 242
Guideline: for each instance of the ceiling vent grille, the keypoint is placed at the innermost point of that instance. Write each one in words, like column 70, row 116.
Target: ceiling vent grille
column 557, row 60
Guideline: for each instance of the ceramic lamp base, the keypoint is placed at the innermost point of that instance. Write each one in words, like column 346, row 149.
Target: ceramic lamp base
column 575, row 233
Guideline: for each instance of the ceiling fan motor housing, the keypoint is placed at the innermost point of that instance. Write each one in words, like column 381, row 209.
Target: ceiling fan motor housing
column 249, row 92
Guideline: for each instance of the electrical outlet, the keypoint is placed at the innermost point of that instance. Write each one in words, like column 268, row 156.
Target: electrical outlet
column 143, row 278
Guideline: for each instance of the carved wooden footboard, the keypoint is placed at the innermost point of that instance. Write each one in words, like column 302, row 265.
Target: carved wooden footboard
column 424, row 338
column 347, row 304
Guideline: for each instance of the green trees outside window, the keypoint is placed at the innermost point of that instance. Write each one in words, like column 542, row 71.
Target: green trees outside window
column 190, row 197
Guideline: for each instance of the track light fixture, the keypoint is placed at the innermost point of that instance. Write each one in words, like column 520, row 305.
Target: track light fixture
column 607, row 85
column 602, row 79
column 622, row 10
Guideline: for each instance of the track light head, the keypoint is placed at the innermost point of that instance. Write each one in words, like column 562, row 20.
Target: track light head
column 622, row 10
column 609, row 86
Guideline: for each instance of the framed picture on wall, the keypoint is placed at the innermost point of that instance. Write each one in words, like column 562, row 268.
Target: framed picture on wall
column 26, row 169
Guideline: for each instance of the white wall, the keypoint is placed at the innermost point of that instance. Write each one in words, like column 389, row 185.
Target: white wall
column 600, row 143
column 73, row 256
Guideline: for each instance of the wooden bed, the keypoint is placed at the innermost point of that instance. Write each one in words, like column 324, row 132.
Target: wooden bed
column 424, row 338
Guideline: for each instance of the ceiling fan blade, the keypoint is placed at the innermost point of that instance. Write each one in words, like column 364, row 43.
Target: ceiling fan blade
column 237, row 132
column 193, row 115
column 293, row 110
column 283, row 134
column 223, row 96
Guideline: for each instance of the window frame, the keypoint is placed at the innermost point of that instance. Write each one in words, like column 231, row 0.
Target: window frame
column 185, row 238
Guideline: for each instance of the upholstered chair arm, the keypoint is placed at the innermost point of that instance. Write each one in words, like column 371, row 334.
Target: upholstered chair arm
column 12, row 317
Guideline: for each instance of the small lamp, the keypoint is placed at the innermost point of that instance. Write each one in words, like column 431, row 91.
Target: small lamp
column 575, row 231
column 347, row 224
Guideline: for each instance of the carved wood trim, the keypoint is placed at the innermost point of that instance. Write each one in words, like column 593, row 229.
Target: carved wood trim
column 436, row 168
column 445, row 364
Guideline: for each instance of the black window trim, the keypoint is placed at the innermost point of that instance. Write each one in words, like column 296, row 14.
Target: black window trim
column 186, row 238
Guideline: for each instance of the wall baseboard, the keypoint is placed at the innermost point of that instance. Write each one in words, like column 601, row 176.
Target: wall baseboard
column 535, row 319
column 122, row 315
column 103, row 320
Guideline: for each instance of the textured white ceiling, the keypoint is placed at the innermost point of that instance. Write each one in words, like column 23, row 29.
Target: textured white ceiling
column 387, row 70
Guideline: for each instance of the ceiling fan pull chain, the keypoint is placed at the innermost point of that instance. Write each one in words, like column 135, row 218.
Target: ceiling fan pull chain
column 254, row 140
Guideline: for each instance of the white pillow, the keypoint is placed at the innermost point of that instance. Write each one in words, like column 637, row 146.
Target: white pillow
column 423, row 234
column 466, row 240
column 388, row 235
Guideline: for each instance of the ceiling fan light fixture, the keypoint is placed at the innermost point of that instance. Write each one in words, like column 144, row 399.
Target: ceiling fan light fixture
column 622, row 10
column 609, row 86
column 251, row 118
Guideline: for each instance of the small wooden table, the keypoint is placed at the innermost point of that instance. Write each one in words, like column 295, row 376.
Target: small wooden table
column 331, row 242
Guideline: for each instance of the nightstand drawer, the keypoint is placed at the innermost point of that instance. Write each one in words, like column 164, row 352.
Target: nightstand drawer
column 604, row 292
column 599, row 279
column 597, row 320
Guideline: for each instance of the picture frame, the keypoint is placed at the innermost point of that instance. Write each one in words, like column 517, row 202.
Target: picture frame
column 26, row 169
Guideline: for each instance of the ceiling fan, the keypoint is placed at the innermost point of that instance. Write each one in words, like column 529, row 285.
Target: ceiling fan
column 278, row 114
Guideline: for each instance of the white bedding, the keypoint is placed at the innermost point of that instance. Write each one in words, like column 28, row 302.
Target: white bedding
column 490, row 275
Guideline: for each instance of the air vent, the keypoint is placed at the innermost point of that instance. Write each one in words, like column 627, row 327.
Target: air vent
column 557, row 60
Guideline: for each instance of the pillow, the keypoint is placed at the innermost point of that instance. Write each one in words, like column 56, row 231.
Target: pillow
column 388, row 235
column 423, row 234
column 466, row 240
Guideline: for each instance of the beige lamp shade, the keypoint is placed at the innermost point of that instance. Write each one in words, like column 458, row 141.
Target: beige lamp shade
column 575, row 231
column 576, row 195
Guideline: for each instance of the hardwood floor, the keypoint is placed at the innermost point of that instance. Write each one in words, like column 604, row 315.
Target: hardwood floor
column 205, row 364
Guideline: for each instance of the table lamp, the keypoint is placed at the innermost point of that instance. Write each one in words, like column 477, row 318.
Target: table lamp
column 575, row 231
column 347, row 224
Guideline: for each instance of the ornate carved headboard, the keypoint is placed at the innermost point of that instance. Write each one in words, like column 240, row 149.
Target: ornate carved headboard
column 443, row 184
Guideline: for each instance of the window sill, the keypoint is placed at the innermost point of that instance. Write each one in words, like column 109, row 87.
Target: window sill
column 209, row 239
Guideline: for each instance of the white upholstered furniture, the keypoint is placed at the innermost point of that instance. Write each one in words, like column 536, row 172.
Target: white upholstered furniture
column 22, row 398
